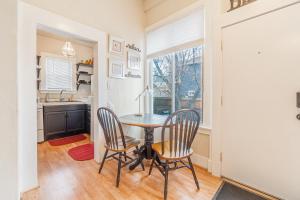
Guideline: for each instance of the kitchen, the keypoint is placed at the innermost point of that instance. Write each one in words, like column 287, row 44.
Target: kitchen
column 64, row 85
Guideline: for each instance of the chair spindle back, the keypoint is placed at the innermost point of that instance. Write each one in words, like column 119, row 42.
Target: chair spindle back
column 182, row 127
column 112, row 128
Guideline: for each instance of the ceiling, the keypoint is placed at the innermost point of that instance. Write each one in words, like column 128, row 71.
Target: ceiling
column 149, row 4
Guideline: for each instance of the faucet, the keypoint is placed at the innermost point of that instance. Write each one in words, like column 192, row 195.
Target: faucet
column 46, row 97
column 60, row 95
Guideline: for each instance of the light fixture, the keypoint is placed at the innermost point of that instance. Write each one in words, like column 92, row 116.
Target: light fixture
column 146, row 91
column 68, row 50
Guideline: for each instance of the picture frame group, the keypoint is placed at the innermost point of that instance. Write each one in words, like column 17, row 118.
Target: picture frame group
column 118, row 60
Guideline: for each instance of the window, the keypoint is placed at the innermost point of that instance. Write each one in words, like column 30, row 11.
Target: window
column 178, row 76
column 58, row 73
column 177, row 81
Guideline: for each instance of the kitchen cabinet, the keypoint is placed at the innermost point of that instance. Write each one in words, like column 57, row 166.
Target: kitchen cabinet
column 76, row 120
column 63, row 120
column 54, row 123
column 88, row 119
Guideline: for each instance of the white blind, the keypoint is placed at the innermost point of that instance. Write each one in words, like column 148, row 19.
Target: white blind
column 184, row 30
column 58, row 74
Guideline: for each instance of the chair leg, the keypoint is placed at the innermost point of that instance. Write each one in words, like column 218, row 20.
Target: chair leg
column 194, row 174
column 166, row 181
column 142, row 165
column 125, row 156
column 136, row 151
column 152, row 163
column 119, row 169
column 103, row 160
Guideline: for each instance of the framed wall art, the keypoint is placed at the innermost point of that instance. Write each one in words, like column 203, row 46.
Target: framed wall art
column 133, row 60
column 116, row 45
column 116, row 68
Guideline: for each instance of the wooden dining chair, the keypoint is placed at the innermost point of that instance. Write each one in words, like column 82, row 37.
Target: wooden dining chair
column 174, row 150
column 115, row 140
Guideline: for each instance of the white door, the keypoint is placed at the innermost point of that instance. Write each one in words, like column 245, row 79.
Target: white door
column 260, row 132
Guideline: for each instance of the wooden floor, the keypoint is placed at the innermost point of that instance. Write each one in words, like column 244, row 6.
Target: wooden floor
column 62, row 178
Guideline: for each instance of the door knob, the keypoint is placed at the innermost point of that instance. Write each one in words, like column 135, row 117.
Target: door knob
column 298, row 116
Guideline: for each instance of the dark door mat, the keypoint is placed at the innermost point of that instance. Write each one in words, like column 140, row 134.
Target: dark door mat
column 232, row 192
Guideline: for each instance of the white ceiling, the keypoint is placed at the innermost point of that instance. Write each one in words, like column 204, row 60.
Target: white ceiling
column 149, row 4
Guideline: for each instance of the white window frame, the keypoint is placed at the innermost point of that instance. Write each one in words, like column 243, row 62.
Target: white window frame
column 42, row 89
column 206, row 79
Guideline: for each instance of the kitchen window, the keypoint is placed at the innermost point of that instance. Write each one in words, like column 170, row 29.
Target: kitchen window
column 58, row 73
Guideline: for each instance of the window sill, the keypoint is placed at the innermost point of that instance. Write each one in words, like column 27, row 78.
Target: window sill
column 58, row 91
column 204, row 130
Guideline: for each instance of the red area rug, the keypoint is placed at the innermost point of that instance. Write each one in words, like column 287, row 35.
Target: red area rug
column 67, row 140
column 83, row 152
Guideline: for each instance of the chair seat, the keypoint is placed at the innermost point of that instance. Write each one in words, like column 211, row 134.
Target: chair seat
column 129, row 141
column 168, row 154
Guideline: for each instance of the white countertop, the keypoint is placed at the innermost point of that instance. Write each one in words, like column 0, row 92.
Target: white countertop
column 57, row 103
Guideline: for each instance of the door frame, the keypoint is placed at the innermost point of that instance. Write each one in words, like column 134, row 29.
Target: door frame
column 30, row 18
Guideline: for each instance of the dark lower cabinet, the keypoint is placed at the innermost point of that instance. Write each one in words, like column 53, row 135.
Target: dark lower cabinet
column 88, row 119
column 76, row 120
column 55, row 123
column 63, row 120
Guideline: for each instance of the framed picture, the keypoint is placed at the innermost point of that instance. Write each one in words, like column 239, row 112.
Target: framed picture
column 116, row 68
column 134, row 60
column 116, row 45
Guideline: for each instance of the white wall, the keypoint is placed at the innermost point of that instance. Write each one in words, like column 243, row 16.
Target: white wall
column 8, row 100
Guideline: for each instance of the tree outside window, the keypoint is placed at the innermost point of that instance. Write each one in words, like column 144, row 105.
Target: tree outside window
column 177, row 81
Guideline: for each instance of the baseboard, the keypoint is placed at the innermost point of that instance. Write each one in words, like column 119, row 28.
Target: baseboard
column 209, row 165
column 202, row 161
column 216, row 168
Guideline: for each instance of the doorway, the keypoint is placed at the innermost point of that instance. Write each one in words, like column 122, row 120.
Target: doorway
column 65, row 85
column 30, row 19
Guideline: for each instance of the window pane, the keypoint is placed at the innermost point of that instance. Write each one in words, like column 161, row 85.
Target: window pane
column 177, row 81
column 188, row 79
column 162, row 84
column 58, row 74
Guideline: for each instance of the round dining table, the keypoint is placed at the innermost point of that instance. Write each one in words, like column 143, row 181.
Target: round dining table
column 149, row 122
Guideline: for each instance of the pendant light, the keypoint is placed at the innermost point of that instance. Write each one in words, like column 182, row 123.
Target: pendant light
column 68, row 50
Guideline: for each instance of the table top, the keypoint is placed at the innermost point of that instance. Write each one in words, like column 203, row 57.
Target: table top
column 145, row 121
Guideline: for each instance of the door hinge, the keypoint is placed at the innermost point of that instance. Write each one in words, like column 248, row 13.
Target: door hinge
column 221, row 100
column 221, row 45
column 221, row 157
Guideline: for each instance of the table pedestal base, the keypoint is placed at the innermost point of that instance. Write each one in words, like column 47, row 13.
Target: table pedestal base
column 145, row 152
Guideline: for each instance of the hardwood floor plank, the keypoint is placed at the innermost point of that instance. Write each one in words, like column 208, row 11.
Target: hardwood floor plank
column 61, row 177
